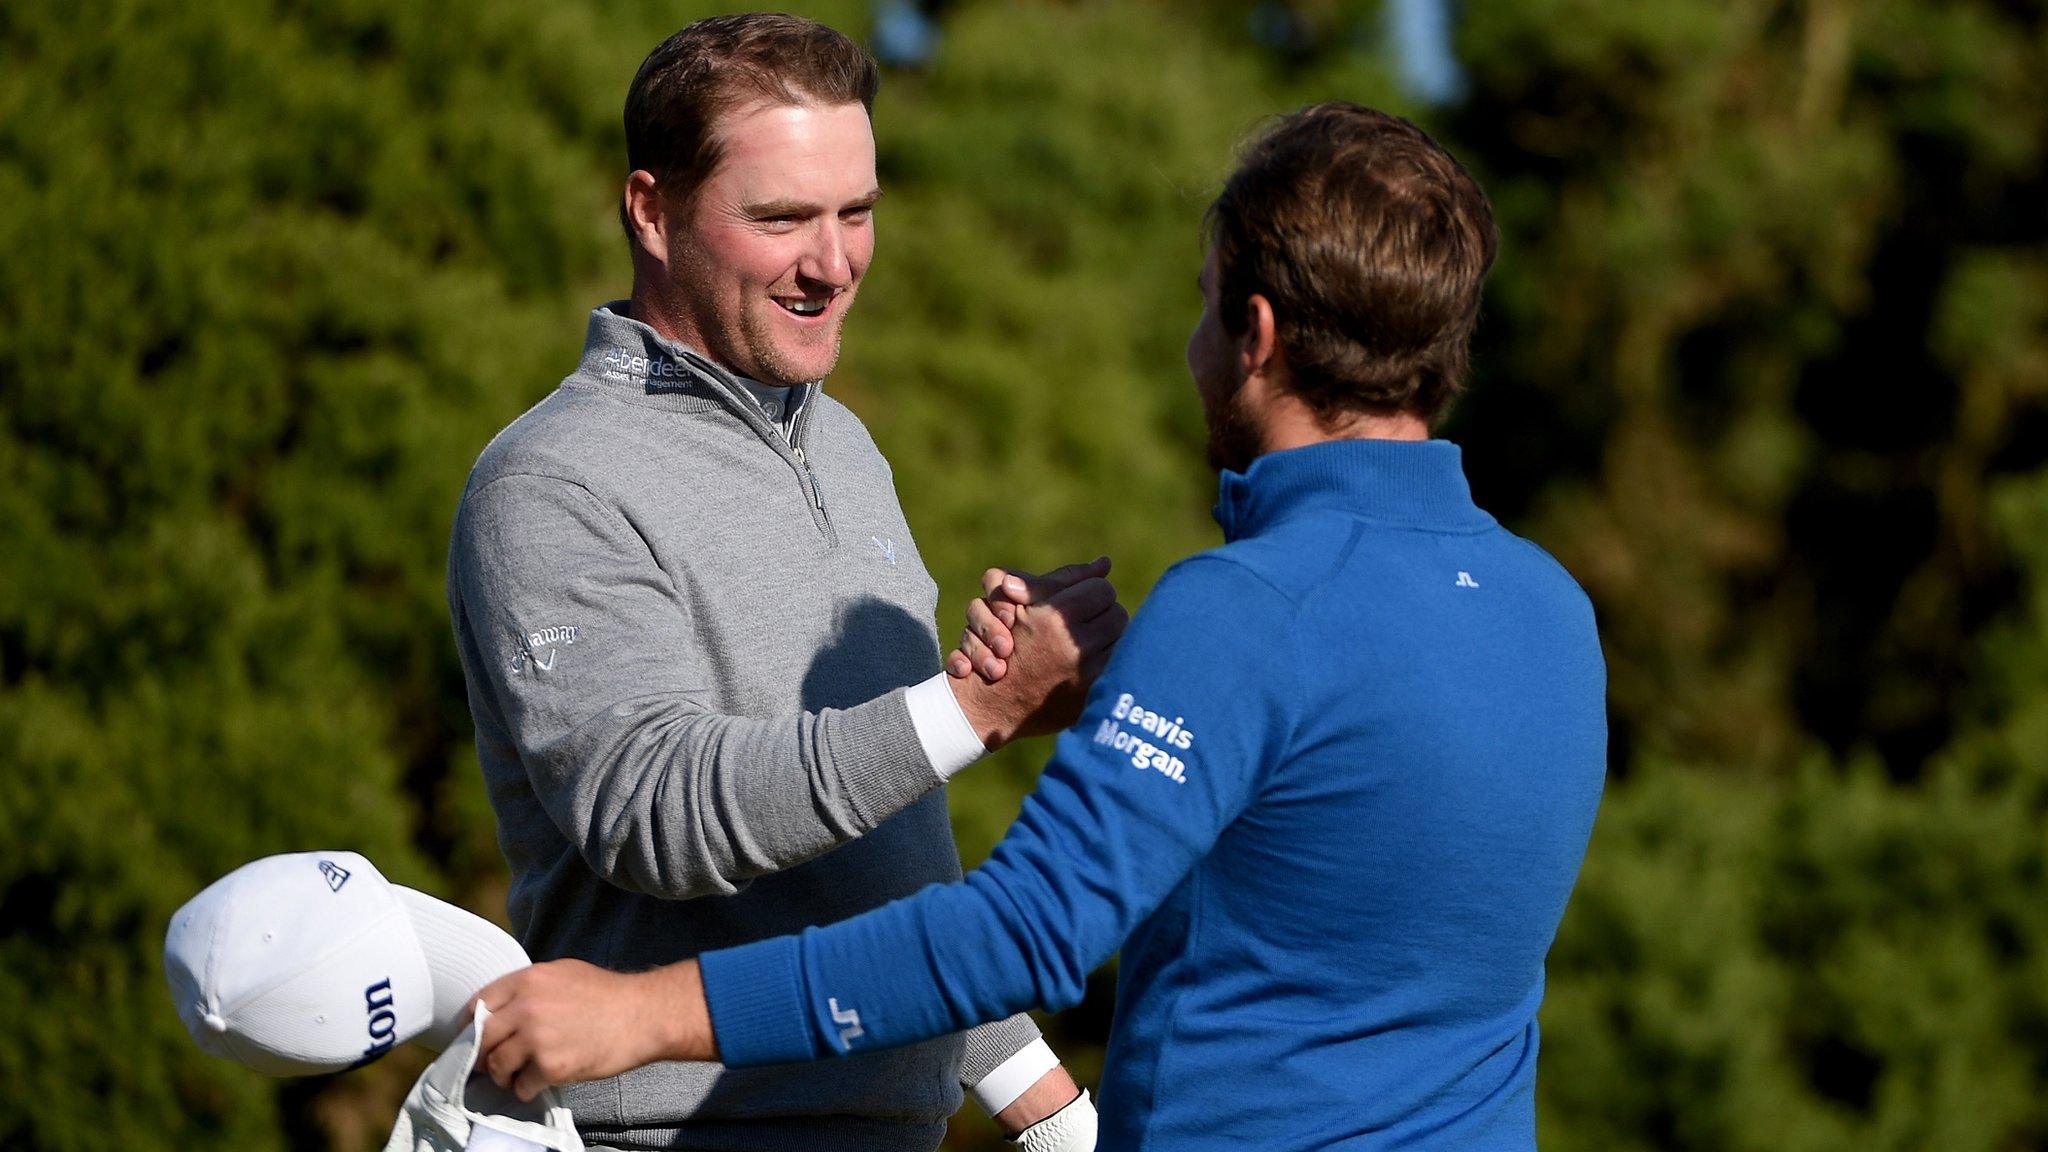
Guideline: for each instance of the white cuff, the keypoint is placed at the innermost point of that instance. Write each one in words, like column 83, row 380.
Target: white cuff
column 1000, row 1088
column 949, row 740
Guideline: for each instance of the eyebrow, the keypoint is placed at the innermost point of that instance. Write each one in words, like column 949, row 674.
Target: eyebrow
column 768, row 208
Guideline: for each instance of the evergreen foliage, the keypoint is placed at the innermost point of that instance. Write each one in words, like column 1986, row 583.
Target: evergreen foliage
column 1763, row 363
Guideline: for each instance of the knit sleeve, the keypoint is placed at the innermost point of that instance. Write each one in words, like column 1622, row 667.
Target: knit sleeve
column 583, row 652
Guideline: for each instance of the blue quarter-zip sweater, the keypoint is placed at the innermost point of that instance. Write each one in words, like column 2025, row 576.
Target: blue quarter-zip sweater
column 1329, row 798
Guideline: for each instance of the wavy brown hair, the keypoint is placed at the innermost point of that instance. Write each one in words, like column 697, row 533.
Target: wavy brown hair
column 1370, row 242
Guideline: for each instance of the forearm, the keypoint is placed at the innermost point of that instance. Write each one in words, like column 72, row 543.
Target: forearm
column 676, row 803
column 675, row 1018
column 952, row 957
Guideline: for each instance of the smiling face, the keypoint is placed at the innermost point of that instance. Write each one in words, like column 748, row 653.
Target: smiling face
column 762, row 269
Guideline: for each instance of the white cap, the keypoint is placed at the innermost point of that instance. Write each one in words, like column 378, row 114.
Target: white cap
column 314, row 962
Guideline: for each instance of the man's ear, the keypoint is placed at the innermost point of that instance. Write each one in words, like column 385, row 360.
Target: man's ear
column 646, row 219
column 1258, row 350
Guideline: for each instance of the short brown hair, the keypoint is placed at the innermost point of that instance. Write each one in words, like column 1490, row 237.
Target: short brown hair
column 1370, row 242
column 716, row 65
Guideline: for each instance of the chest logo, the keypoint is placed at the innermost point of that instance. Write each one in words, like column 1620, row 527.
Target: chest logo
column 1465, row 580
column 887, row 548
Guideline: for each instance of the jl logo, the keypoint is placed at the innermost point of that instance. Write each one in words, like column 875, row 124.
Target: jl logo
column 1465, row 580
column 848, row 1017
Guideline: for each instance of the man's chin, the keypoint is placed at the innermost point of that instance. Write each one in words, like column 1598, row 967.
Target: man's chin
column 790, row 371
column 785, row 367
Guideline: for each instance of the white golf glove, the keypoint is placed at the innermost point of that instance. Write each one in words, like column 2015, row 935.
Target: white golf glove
column 1071, row 1129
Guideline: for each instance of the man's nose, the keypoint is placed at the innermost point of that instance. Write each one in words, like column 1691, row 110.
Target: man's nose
column 826, row 260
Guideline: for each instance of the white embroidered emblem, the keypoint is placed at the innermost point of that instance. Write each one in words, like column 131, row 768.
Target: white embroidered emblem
column 848, row 1017
column 553, row 638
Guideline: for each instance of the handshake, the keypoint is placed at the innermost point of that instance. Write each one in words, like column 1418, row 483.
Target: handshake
column 1032, row 647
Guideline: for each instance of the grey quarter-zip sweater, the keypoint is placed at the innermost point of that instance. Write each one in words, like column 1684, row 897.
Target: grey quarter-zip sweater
column 687, row 640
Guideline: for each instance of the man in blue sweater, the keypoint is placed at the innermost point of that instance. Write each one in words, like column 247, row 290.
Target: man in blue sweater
column 1331, row 793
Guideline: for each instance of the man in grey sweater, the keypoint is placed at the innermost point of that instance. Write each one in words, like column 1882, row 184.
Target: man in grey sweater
column 697, row 632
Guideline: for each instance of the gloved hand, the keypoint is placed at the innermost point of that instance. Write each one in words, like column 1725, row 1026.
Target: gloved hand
column 1071, row 1129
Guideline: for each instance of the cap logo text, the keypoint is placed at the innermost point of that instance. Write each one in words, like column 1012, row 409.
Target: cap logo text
column 383, row 1022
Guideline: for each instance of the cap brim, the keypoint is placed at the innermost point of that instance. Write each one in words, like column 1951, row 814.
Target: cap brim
column 464, row 953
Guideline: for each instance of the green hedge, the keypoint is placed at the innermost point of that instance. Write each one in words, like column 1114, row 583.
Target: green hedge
column 1763, row 363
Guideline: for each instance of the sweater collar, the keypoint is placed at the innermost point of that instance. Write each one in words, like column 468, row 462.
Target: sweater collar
column 1409, row 483
column 627, row 354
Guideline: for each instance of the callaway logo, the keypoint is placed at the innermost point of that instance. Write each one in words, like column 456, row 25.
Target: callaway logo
column 848, row 1017
column 528, row 653
column 888, row 549
column 335, row 873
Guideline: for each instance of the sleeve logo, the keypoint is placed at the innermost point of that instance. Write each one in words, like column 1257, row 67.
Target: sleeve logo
column 848, row 1017
column 527, row 654
column 1144, row 753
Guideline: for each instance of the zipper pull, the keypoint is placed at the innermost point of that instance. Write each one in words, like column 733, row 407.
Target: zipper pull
column 817, row 494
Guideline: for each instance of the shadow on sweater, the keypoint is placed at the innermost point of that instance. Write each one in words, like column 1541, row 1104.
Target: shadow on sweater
column 878, row 649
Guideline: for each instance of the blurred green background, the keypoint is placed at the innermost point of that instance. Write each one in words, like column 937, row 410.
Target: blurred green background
column 1764, row 364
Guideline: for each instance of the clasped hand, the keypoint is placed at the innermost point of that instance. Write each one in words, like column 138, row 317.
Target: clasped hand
column 1032, row 647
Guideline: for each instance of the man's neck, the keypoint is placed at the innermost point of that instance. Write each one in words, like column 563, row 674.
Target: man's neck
column 642, row 306
column 1287, row 423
